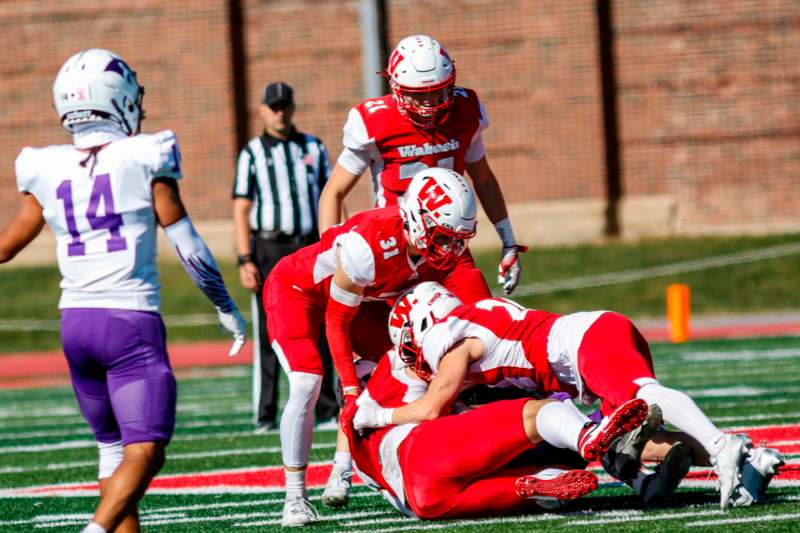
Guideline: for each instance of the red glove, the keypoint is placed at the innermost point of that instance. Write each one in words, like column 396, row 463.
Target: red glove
column 346, row 416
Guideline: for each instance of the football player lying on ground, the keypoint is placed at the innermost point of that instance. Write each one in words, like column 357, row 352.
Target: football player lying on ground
column 373, row 256
column 590, row 355
column 458, row 466
column 102, row 196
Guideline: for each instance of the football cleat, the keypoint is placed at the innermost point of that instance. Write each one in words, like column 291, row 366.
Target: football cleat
column 595, row 439
column 728, row 465
column 757, row 472
column 337, row 489
column 298, row 511
column 556, row 485
column 659, row 486
column 624, row 456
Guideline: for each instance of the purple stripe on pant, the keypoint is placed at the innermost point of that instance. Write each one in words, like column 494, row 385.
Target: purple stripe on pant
column 120, row 373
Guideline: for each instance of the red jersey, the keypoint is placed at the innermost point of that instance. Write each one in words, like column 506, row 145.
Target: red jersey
column 390, row 386
column 377, row 136
column 373, row 250
column 516, row 342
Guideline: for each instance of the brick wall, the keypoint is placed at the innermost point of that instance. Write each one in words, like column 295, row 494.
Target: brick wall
column 709, row 91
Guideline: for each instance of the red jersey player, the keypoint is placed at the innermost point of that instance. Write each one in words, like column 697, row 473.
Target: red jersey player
column 457, row 466
column 597, row 354
column 426, row 122
column 373, row 256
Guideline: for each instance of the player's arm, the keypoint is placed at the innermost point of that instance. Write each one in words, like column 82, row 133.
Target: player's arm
column 22, row 229
column 331, row 200
column 343, row 302
column 491, row 197
column 195, row 257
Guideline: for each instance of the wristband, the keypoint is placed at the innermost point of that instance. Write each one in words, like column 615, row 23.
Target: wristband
column 506, row 233
column 385, row 417
column 244, row 258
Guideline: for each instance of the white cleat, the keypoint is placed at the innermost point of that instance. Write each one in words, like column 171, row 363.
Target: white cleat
column 298, row 511
column 728, row 464
column 757, row 472
column 337, row 489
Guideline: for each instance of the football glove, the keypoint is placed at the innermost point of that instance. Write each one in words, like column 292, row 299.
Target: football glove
column 509, row 269
column 235, row 324
column 372, row 415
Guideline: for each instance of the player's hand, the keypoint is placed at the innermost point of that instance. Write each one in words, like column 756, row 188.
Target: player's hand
column 372, row 415
column 235, row 324
column 510, row 267
column 249, row 276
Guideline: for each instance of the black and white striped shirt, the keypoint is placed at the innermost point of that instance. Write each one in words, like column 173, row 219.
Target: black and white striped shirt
column 284, row 180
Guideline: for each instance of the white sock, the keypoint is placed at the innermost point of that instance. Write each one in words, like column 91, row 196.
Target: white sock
column 681, row 411
column 560, row 424
column 295, row 484
column 343, row 460
column 94, row 527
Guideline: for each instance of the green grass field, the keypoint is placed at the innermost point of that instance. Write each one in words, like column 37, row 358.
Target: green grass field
column 766, row 285
column 44, row 441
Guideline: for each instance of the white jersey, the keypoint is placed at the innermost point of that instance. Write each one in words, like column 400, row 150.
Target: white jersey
column 101, row 213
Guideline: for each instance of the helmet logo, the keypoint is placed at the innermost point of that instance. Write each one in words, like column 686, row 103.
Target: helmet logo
column 400, row 316
column 432, row 196
column 120, row 67
column 396, row 58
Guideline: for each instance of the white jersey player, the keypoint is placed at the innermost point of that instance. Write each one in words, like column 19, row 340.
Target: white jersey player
column 102, row 196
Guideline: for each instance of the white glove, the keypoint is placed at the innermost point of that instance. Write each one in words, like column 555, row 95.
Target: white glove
column 510, row 268
column 372, row 415
column 235, row 324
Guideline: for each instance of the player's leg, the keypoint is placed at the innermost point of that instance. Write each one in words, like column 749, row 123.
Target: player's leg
column 294, row 328
column 442, row 459
column 466, row 281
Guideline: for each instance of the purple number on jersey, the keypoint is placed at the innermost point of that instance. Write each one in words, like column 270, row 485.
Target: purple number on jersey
column 64, row 192
column 110, row 220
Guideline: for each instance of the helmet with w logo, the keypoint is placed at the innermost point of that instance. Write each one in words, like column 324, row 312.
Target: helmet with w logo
column 422, row 77
column 411, row 318
column 440, row 215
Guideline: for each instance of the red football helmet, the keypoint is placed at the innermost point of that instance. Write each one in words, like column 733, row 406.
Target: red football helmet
column 422, row 77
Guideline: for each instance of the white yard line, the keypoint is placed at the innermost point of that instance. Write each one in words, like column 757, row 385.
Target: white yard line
column 745, row 520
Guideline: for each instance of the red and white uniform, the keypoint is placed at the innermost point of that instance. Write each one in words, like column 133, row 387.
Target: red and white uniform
column 450, row 467
column 373, row 251
column 378, row 137
column 596, row 354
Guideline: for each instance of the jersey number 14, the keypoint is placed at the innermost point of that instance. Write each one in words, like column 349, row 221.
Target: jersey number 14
column 111, row 221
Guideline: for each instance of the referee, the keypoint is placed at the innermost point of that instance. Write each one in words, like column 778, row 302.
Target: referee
column 279, row 176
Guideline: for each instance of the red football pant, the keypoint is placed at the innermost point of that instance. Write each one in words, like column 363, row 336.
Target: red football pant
column 294, row 321
column 453, row 466
column 613, row 359
column 466, row 280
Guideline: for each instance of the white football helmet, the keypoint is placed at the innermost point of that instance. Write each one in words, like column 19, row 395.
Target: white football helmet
column 440, row 215
column 422, row 77
column 411, row 318
column 95, row 85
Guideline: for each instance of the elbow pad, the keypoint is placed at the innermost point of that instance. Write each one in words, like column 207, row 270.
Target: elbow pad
column 198, row 262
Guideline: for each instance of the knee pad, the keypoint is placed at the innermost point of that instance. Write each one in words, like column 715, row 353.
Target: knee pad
column 110, row 457
column 304, row 384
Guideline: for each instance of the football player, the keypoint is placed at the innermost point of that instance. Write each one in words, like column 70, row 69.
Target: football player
column 427, row 121
column 591, row 355
column 102, row 196
column 373, row 256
